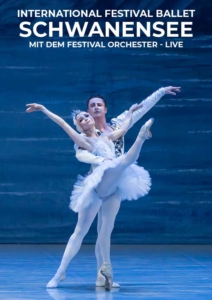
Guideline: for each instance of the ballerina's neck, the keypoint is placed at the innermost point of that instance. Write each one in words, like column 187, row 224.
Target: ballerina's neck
column 91, row 133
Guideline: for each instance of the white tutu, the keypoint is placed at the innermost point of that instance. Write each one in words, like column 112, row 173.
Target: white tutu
column 134, row 183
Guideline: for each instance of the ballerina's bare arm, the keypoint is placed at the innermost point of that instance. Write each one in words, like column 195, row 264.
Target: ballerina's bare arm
column 125, row 126
column 79, row 139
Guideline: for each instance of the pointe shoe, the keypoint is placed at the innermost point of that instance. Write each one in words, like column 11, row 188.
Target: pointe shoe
column 107, row 272
column 145, row 132
column 53, row 283
column 100, row 281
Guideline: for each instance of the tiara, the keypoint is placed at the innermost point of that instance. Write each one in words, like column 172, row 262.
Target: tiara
column 75, row 113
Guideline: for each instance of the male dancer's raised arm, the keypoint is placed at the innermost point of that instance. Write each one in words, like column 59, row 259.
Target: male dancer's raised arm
column 147, row 104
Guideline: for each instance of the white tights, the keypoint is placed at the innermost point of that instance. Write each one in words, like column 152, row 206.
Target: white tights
column 107, row 213
column 85, row 219
column 106, row 219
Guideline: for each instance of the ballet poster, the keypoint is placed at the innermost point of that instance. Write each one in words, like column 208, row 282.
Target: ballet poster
column 105, row 126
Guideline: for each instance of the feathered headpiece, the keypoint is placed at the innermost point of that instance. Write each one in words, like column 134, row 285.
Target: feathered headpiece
column 74, row 115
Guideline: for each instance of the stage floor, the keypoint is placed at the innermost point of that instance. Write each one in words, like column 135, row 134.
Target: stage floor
column 144, row 272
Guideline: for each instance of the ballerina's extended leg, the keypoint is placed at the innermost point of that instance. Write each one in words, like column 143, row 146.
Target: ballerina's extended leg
column 111, row 176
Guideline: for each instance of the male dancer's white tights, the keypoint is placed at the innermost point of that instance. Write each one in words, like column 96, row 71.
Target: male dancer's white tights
column 108, row 213
column 105, row 224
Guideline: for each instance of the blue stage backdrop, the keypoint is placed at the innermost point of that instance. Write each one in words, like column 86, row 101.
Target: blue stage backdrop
column 37, row 161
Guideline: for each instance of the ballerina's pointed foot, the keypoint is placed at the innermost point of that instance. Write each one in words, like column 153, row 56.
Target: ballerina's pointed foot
column 53, row 283
column 145, row 132
column 106, row 271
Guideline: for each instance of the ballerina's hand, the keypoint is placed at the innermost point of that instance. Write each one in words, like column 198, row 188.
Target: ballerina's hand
column 34, row 107
column 135, row 107
column 172, row 89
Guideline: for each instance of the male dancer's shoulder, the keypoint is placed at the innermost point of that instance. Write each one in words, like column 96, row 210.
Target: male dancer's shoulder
column 117, row 122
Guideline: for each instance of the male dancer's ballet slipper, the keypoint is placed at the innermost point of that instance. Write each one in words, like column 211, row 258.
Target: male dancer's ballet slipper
column 145, row 132
column 106, row 271
column 53, row 283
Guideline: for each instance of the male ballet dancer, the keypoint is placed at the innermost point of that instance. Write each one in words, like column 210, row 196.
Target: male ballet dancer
column 97, row 108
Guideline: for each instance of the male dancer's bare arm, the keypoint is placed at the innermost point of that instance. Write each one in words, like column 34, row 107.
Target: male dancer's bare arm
column 79, row 139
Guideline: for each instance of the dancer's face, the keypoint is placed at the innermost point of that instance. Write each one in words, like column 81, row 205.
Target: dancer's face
column 96, row 107
column 85, row 120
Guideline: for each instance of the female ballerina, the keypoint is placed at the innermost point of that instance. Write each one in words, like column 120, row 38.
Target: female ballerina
column 113, row 175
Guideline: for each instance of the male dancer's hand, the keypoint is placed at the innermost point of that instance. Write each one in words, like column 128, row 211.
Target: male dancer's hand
column 34, row 107
column 172, row 89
